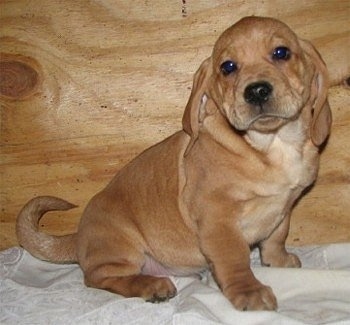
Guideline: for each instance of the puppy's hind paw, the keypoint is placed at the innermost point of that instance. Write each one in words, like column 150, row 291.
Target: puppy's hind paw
column 157, row 290
column 285, row 260
column 292, row 261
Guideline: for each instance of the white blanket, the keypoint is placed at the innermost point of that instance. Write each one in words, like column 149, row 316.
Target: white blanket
column 36, row 292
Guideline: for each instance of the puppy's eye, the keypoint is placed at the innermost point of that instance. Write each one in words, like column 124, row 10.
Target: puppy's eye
column 281, row 53
column 228, row 67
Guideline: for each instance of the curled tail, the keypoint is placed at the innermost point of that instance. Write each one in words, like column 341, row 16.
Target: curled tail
column 56, row 249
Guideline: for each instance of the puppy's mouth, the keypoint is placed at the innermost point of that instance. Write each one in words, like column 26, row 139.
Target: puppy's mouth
column 267, row 122
column 266, row 118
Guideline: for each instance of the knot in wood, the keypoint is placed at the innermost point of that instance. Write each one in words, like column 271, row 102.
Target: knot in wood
column 18, row 79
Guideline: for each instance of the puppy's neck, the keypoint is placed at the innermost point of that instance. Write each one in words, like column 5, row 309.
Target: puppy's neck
column 293, row 134
column 259, row 141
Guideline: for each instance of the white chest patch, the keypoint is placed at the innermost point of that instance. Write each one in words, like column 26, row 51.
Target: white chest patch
column 294, row 159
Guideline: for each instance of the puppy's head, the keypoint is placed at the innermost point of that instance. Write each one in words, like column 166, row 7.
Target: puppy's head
column 261, row 76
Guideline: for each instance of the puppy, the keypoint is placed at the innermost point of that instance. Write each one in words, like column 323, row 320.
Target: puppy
column 252, row 128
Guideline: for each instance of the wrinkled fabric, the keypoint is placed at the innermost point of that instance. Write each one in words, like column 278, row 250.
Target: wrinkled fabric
column 37, row 292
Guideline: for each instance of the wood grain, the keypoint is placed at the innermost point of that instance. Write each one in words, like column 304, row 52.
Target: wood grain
column 86, row 86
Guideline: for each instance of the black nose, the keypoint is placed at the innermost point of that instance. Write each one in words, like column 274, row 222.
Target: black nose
column 258, row 93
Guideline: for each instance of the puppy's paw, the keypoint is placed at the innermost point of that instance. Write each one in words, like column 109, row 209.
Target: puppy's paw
column 291, row 260
column 278, row 258
column 156, row 290
column 261, row 298
column 282, row 260
column 150, row 288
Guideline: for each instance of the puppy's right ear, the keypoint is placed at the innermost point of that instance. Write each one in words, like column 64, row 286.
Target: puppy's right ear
column 196, row 102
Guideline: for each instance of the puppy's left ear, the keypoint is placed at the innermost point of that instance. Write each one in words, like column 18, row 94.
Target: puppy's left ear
column 196, row 103
column 322, row 116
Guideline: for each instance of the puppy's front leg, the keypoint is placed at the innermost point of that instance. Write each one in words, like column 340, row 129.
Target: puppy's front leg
column 228, row 256
column 273, row 251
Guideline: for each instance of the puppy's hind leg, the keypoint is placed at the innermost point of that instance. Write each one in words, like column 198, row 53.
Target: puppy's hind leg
column 273, row 251
column 123, row 276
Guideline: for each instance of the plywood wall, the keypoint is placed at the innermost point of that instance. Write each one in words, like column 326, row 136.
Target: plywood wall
column 87, row 85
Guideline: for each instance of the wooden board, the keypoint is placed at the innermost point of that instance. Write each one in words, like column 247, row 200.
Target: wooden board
column 90, row 84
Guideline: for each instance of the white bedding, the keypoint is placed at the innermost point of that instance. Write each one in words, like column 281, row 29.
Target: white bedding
column 36, row 292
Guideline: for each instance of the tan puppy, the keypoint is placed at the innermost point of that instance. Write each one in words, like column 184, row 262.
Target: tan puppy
column 252, row 128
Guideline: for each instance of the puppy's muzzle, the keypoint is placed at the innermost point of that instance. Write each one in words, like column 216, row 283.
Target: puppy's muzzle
column 263, row 113
column 258, row 93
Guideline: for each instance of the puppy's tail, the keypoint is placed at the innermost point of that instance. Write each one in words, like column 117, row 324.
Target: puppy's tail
column 56, row 249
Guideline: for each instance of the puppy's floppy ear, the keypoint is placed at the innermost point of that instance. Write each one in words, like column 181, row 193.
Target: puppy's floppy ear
column 196, row 102
column 322, row 116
